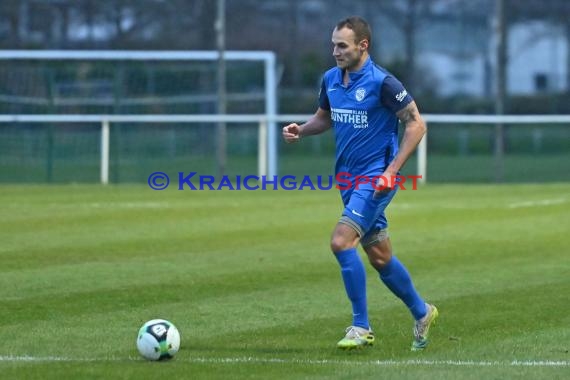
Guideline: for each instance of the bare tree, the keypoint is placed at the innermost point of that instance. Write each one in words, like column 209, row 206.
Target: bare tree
column 10, row 11
column 408, row 15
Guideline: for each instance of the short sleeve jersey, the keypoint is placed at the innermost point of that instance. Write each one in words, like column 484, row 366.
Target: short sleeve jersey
column 363, row 114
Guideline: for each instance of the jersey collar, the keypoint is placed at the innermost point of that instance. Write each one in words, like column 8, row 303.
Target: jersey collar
column 354, row 76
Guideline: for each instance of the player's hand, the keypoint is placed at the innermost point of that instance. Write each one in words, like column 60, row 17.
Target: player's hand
column 291, row 133
column 385, row 184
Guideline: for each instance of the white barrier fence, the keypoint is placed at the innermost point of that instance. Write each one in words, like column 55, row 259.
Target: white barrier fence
column 267, row 139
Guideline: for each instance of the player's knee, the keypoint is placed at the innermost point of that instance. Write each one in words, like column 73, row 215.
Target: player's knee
column 378, row 262
column 344, row 236
column 378, row 258
column 340, row 243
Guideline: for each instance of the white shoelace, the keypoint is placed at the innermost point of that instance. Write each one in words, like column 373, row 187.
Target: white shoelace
column 352, row 333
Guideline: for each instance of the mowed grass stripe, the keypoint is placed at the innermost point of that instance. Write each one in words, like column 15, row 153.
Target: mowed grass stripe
column 295, row 314
column 254, row 278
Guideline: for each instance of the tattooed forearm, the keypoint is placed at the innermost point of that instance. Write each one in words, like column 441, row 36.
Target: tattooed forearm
column 409, row 113
column 415, row 129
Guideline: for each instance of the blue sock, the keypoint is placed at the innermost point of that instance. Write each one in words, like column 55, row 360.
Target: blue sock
column 354, row 277
column 398, row 280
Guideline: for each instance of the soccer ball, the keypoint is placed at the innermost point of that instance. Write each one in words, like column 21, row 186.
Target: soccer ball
column 158, row 339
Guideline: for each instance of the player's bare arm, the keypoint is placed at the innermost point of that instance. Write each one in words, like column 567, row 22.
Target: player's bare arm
column 415, row 129
column 319, row 123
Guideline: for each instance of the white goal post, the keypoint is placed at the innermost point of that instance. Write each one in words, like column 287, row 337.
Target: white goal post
column 267, row 152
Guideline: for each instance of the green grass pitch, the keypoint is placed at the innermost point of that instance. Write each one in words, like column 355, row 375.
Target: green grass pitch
column 248, row 279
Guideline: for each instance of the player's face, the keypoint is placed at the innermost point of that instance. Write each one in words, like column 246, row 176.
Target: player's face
column 348, row 53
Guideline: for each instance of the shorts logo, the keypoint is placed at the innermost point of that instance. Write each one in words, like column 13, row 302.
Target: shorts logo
column 360, row 94
column 357, row 214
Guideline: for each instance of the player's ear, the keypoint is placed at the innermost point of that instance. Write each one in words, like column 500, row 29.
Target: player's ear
column 364, row 45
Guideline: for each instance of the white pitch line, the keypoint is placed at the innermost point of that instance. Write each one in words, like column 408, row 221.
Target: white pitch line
column 322, row 362
column 543, row 202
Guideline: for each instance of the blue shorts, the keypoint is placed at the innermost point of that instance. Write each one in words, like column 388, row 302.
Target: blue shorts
column 364, row 210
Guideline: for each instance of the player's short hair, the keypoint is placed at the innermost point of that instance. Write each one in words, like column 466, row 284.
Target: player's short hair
column 359, row 26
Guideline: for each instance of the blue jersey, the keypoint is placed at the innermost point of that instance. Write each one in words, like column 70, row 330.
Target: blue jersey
column 364, row 117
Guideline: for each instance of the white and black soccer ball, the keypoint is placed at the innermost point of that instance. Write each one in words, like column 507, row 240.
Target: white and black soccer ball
column 158, row 339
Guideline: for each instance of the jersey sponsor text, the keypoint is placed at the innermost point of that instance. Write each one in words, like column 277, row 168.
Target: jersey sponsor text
column 358, row 118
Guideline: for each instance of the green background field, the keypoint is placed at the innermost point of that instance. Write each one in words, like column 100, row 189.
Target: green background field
column 248, row 274
column 456, row 153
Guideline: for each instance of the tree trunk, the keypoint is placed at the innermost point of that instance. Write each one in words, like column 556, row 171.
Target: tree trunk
column 501, row 79
column 568, row 56
column 410, row 41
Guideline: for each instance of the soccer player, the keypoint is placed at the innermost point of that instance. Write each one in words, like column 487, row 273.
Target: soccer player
column 363, row 102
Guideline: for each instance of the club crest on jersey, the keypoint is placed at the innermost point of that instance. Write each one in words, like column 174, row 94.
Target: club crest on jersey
column 360, row 94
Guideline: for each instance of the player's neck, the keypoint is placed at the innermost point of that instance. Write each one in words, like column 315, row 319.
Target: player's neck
column 356, row 68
